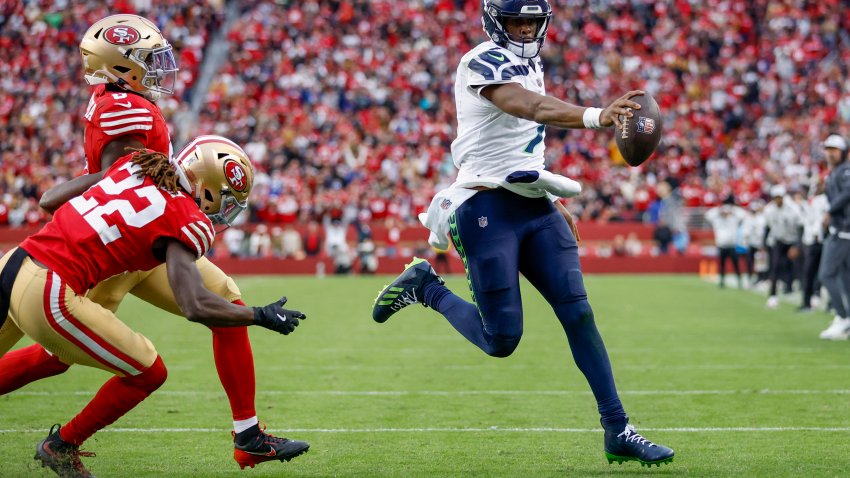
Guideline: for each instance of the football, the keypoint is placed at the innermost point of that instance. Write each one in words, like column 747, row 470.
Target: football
column 642, row 132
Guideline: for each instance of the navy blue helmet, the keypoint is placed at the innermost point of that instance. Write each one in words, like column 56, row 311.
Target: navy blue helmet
column 494, row 13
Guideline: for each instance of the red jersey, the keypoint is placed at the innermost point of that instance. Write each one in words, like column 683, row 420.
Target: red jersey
column 112, row 228
column 112, row 114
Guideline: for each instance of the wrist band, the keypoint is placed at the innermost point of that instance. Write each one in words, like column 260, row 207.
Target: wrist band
column 592, row 118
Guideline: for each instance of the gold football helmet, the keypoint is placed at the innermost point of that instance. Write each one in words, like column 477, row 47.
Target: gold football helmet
column 218, row 174
column 129, row 51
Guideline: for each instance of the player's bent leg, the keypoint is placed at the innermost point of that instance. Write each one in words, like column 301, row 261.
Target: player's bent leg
column 234, row 363
column 489, row 251
column 61, row 449
column 420, row 284
column 252, row 445
column 591, row 357
column 231, row 346
column 115, row 398
column 556, row 273
column 549, row 260
column 622, row 442
column 79, row 331
column 26, row 365
column 493, row 322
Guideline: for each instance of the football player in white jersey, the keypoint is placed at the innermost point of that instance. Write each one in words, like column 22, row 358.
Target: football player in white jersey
column 501, row 217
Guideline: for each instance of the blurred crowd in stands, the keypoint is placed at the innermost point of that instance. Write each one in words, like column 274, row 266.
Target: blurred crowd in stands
column 347, row 108
column 43, row 95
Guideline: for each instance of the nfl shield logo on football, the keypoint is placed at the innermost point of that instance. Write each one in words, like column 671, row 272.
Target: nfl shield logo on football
column 445, row 204
column 482, row 221
column 645, row 125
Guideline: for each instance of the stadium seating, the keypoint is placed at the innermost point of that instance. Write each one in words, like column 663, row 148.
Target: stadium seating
column 353, row 120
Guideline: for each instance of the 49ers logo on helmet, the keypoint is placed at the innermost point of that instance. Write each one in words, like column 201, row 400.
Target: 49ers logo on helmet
column 121, row 35
column 236, row 177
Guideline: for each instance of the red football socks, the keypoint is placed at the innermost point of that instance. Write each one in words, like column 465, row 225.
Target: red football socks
column 234, row 362
column 115, row 398
column 26, row 365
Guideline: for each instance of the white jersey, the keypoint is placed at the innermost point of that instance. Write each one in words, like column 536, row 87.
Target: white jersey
column 784, row 222
column 726, row 222
column 490, row 142
column 814, row 212
column 494, row 149
column 753, row 229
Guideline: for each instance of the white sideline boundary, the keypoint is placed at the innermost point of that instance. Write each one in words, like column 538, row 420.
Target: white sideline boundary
column 449, row 393
column 493, row 429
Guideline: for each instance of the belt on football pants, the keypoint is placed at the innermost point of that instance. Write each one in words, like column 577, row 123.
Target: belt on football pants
column 7, row 281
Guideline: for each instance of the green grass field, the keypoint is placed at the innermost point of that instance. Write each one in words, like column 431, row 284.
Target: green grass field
column 735, row 389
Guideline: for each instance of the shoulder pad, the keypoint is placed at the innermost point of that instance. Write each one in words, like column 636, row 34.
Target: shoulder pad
column 497, row 65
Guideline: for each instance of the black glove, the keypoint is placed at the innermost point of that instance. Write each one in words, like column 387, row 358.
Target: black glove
column 275, row 317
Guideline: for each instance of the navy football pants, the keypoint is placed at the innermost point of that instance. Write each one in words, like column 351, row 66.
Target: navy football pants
column 500, row 234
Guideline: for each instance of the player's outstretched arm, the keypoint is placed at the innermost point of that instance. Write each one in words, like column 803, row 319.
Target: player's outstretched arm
column 58, row 195
column 517, row 101
column 200, row 305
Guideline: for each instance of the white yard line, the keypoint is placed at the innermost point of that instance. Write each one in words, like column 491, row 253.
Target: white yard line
column 394, row 393
column 467, row 430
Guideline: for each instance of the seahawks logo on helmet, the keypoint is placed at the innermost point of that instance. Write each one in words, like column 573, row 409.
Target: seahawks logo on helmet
column 494, row 13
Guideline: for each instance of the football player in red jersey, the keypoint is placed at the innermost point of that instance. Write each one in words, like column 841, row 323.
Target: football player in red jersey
column 146, row 210
column 131, row 64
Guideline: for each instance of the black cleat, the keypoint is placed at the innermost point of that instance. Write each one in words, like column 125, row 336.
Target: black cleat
column 405, row 290
column 265, row 447
column 629, row 445
column 61, row 456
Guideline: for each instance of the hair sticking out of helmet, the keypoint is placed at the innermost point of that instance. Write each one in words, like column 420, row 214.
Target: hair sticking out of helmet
column 496, row 13
column 218, row 175
column 158, row 167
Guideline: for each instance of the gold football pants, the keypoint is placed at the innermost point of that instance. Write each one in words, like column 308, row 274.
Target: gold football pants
column 70, row 326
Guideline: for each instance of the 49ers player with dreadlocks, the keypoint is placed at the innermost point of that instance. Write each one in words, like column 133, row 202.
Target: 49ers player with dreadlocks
column 131, row 65
column 145, row 211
